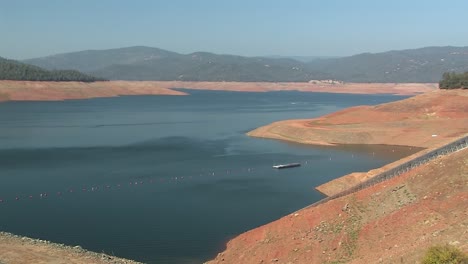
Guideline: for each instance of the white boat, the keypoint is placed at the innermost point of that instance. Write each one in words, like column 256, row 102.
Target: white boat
column 284, row 166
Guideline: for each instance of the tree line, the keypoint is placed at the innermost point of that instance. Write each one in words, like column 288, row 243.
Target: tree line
column 452, row 80
column 13, row 70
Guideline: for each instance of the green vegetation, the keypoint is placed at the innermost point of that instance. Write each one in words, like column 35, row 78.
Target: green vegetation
column 145, row 63
column 445, row 254
column 13, row 70
column 452, row 80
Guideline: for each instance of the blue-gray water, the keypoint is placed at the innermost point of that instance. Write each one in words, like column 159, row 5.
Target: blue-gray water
column 164, row 179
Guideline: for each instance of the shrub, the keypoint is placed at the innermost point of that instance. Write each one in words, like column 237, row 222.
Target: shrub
column 445, row 255
column 452, row 80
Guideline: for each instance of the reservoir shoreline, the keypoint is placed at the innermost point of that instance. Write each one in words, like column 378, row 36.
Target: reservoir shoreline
column 327, row 231
column 58, row 91
column 75, row 94
column 426, row 121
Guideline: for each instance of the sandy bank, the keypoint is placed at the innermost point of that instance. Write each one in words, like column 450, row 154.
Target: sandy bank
column 53, row 91
column 21, row 250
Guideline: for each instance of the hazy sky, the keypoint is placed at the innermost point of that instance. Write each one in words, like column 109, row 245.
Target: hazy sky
column 33, row 28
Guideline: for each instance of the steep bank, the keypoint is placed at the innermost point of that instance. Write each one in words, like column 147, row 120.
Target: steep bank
column 20, row 250
column 54, row 91
column 391, row 222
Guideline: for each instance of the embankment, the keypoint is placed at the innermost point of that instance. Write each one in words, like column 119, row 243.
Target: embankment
column 53, row 91
column 21, row 250
column 394, row 221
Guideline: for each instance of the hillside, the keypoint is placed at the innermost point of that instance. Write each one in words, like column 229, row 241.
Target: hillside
column 395, row 221
column 93, row 60
column 414, row 65
column 203, row 66
column 13, row 70
column 143, row 63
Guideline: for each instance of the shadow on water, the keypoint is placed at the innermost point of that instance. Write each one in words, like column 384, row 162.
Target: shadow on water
column 378, row 150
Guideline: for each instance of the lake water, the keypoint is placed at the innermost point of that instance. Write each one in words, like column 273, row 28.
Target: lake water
column 164, row 179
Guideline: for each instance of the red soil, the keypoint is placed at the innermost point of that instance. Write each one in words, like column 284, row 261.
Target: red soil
column 392, row 222
column 409, row 122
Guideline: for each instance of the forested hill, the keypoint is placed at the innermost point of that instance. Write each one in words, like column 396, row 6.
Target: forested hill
column 145, row 63
column 414, row 65
column 14, row 70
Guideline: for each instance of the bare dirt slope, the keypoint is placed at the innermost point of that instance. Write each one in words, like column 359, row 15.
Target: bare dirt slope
column 345, row 182
column 22, row 250
column 53, row 91
column 392, row 222
column 422, row 121
column 56, row 91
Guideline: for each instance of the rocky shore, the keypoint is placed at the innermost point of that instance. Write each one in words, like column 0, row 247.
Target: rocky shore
column 18, row 250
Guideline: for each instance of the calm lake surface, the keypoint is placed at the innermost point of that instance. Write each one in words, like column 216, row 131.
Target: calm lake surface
column 164, row 179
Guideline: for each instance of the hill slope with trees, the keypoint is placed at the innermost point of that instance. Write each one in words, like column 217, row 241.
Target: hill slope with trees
column 452, row 80
column 413, row 65
column 14, row 70
column 144, row 63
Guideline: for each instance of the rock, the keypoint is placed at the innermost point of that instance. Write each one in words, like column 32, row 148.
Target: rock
column 345, row 208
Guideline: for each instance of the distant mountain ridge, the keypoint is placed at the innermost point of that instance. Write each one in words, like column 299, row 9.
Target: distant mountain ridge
column 412, row 65
column 93, row 60
column 145, row 63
